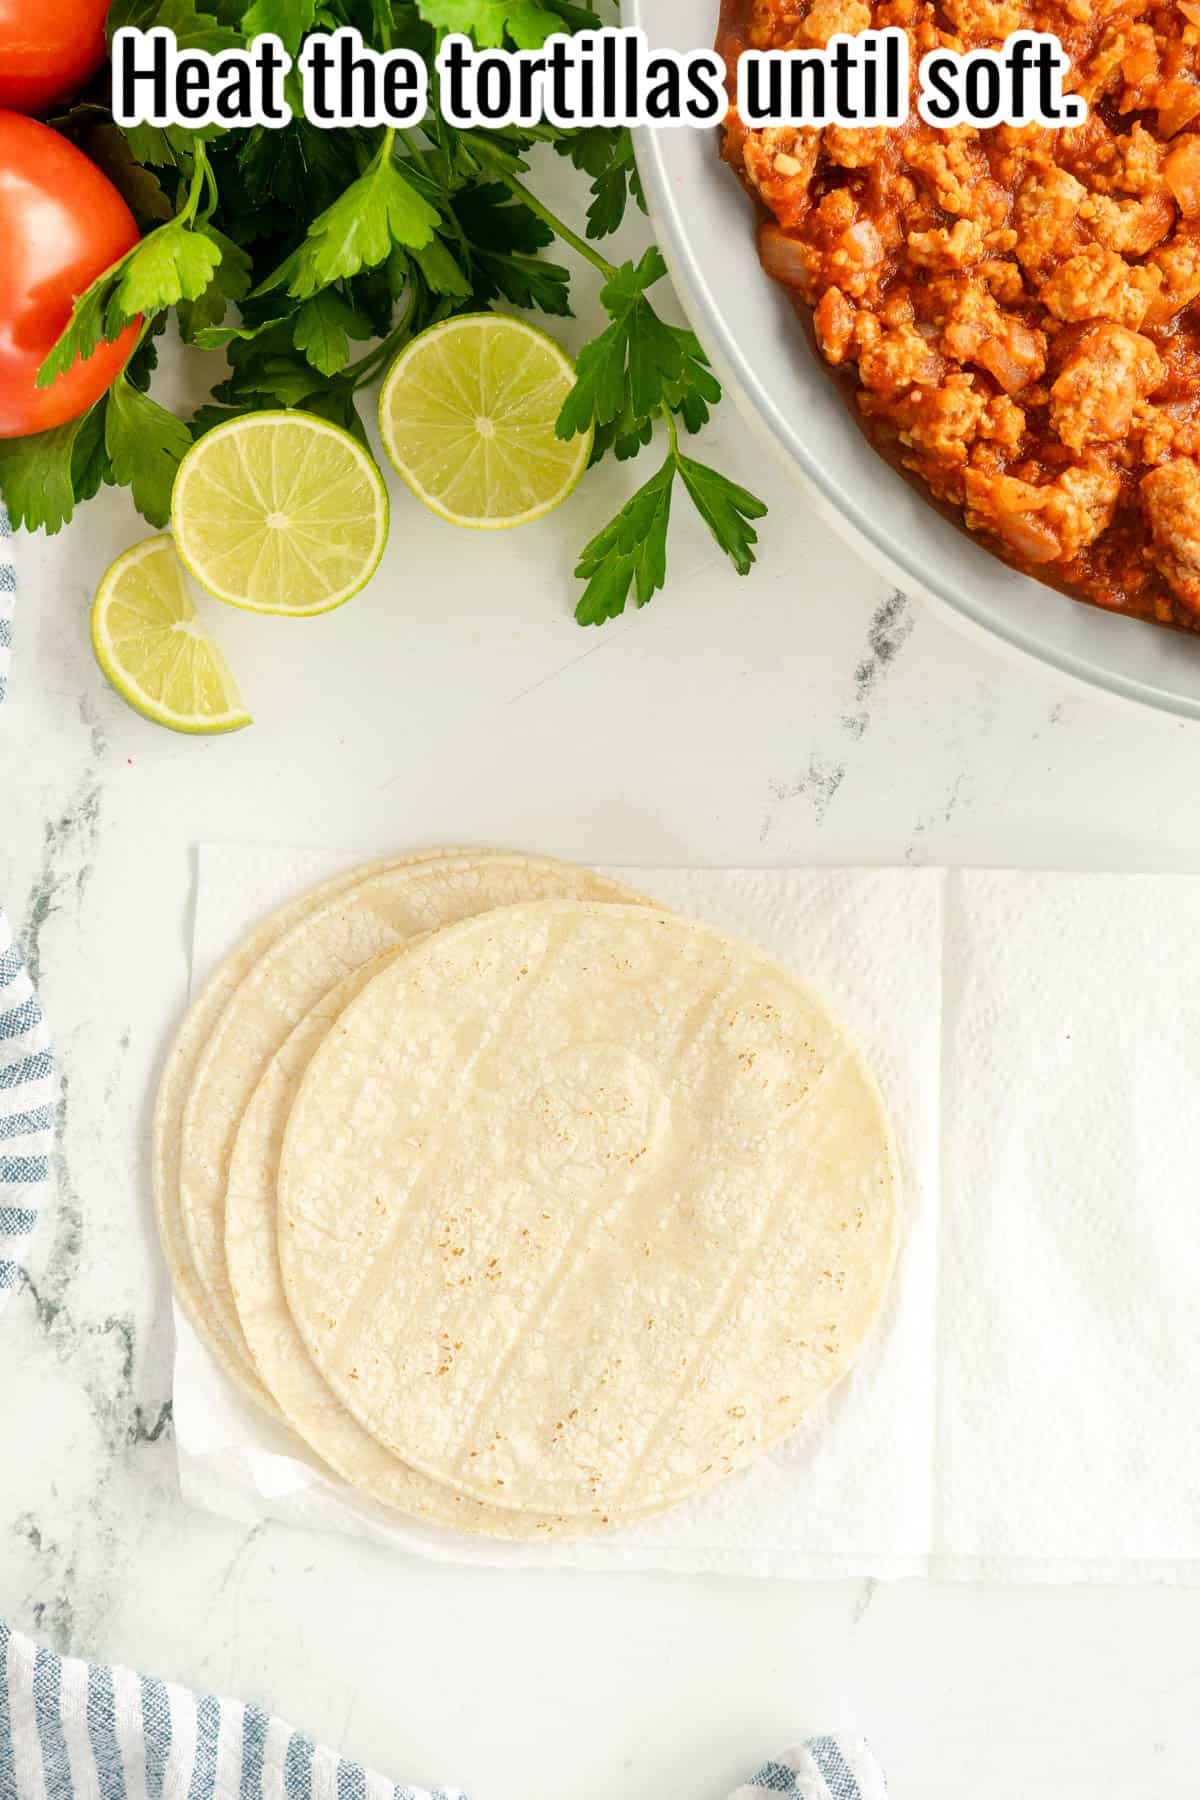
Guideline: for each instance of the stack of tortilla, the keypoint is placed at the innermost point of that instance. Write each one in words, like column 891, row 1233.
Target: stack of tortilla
column 530, row 1207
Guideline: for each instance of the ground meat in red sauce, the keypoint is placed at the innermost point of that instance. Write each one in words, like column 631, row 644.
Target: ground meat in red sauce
column 1016, row 307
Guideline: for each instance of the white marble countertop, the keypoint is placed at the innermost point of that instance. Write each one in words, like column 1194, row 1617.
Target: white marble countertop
column 805, row 715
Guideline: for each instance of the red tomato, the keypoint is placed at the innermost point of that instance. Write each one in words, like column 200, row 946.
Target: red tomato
column 61, row 223
column 48, row 49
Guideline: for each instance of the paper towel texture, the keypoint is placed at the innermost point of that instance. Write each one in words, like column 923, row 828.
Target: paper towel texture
column 1026, row 1408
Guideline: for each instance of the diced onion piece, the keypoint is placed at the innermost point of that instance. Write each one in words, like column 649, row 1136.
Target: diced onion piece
column 785, row 258
column 862, row 243
column 1015, row 358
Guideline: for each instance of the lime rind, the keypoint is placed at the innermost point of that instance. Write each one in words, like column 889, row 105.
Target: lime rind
column 143, row 615
column 280, row 512
column 482, row 368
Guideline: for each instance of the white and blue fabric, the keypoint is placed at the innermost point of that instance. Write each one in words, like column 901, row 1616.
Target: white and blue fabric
column 823, row 1768
column 27, row 1090
column 70, row 1729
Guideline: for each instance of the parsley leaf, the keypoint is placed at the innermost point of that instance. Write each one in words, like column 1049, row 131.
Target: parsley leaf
column 611, row 193
column 142, row 364
column 442, row 273
column 91, row 467
column 526, row 22
column 85, row 329
column 493, row 220
column 194, row 27
column 504, row 239
column 725, row 508
column 43, row 478
column 278, row 178
column 145, row 444
column 35, row 478
column 337, row 405
column 631, row 552
column 575, row 18
column 626, row 437
column 639, row 364
column 380, row 209
column 172, row 264
column 157, row 146
column 288, row 19
column 323, row 329
column 605, row 153
column 266, row 370
column 138, row 186
column 232, row 281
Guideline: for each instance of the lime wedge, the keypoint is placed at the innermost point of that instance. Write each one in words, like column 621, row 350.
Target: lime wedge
column 280, row 512
column 467, row 416
column 153, row 649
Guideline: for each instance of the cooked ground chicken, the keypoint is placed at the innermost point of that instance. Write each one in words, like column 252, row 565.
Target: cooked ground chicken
column 1016, row 308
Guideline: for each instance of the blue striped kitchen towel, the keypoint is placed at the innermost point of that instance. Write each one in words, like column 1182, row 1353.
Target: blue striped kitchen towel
column 27, row 1090
column 824, row 1768
column 70, row 1729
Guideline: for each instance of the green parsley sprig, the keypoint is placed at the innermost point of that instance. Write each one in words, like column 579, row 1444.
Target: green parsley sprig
column 324, row 240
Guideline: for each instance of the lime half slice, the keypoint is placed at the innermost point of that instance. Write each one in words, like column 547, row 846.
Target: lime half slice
column 467, row 416
column 280, row 512
column 151, row 645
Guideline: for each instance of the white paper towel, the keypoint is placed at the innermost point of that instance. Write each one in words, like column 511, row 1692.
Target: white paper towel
column 1027, row 1408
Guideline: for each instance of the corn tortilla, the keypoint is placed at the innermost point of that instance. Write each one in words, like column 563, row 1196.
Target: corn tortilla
column 292, row 976
column 584, row 1206
column 167, row 1133
column 306, row 1402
